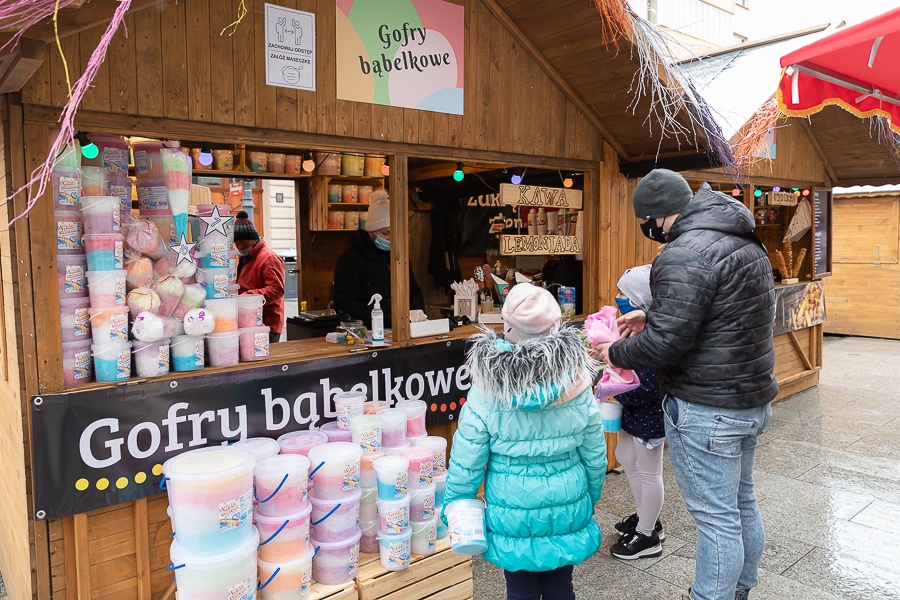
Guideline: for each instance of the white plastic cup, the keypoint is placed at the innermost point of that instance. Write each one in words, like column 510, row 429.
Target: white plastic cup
column 336, row 562
column 281, row 485
column 422, row 503
column 415, row 417
column 465, row 521
column 393, row 427
column 365, row 430
column 393, row 515
column 393, row 477
column 424, row 537
column 395, row 549
column 438, row 447
column 151, row 359
column 335, row 469
column 348, row 405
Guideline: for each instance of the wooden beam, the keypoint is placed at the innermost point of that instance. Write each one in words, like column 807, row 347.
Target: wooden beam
column 24, row 62
column 80, row 561
column 142, row 549
column 399, row 191
column 874, row 181
column 556, row 78
column 591, row 250
column 811, row 136
column 727, row 178
column 796, row 343
column 96, row 12
column 155, row 127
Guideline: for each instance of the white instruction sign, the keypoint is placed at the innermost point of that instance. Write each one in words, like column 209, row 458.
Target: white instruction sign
column 290, row 48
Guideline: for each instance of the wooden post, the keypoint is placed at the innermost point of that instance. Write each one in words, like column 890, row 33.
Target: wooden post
column 591, row 266
column 399, row 183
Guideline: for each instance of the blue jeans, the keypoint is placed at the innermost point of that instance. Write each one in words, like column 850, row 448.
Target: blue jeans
column 712, row 451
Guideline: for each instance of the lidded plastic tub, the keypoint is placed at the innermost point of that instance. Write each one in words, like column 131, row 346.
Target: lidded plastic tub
column 395, row 549
column 352, row 164
column 74, row 319
column 393, row 477
column 78, row 367
column 393, row 427
column 120, row 186
column 368, row 504
column 250, row 310
column 290, row 580
column 335, row 433
column 337, row 519
column 368, row 543
column 94, row 181
column 214, row 250
column 421, row 466
column 282, row 483
column 611, row 415
column 105, row 251
column 102, row 214
column 424, row 537
column 113, row 155
column 261, row 447
column 348, row 405
column 107, row 288
column 188, row 353
column 147, row 160
column 71, row 274
column 375, row 406
column 69, row 231
column 365, row 430
column 211, row 495
column 438, row 447
column 415, row 417
column 335, row 469
column 284, row 538
column 422, row 503
column 152, row 196
column 393, row 515
column 301, row 442
column 254, row 343
column 215, row 281
column 231, row 573
column 226, row 313
column 367, row 476
column 109, row 324
column 66, row 189
column 223, row 349
column 374, row 162
column 151, row 359
column 327, row 163
column 112, row 361
column 465, row 521
column 440, row 484
column 336, row 562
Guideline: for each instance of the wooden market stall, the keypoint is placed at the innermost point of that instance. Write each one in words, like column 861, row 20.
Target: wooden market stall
column 796, row 163
column 542, row 90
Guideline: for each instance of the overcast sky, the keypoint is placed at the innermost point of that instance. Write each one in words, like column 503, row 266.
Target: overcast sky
column 772, row 17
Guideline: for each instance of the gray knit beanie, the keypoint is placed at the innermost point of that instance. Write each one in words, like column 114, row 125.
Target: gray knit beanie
column 660, row 194
column 635, row 284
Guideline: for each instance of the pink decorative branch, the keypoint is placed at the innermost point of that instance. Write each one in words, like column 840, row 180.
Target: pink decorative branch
column 37, row 185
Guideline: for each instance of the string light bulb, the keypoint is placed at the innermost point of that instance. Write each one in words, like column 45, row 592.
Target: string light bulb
column 776, row 189
column 736, row 192
column 386, row 168
column 517, row 176
column 205, row 158
column 567, row 182
column 757, row 193
column 309, row 165
column 88, row 148
column 806, row 192
column 458, row 174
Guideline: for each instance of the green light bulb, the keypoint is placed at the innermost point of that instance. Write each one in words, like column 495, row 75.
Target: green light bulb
column 458, row 173
column 90, row 151
column 757, row 194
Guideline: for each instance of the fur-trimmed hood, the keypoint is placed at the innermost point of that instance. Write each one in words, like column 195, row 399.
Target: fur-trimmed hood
column 532, row 374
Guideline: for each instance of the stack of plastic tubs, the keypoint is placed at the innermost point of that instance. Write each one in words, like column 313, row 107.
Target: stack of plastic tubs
column 394, row 534
column 365, row 430
column 71, row 268
column 335, row 503
column 214, row 554
column 438, row 447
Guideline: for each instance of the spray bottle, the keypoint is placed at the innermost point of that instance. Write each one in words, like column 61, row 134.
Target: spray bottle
column 377, row 320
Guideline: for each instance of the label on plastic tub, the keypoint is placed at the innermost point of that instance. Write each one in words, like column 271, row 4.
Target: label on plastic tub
column 432, row 538
column 153, row 197
column 118, row 328
column 243, row 590
column 74, row 279
column 218, row 255
column 426, row 472
column 465, row 525
column 119, row 255
column 141, row 167
column 82, row 324
column 306, row 580
column 369, row 440
column 122, row 192
column 354, row 560
column 428, row 507
column 234, row 513
column 198, row 354
column 440, row 462
column 123, row 364
column 259, row 320
column 163, row 359
column 395, row 521
column 120, row 290
column 261, row 344
column 351, row 477
column 401, row 484
column 115, row 160
column 82, row 368
column 68, row 235
column 220, row 285
column 69, row 191
column 117, row 216
column 398, row 554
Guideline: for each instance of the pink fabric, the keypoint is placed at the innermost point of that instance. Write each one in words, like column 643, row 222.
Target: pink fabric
column 600, row 328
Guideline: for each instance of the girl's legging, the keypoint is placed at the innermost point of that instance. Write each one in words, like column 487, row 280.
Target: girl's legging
column 546, row 585
column 643, row 468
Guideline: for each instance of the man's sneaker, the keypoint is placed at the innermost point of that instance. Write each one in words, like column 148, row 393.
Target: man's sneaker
column 637, row 545
column 629, row 525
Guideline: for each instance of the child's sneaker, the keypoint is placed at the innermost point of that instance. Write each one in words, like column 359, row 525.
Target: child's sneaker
column 629, row 525
column 637, row 545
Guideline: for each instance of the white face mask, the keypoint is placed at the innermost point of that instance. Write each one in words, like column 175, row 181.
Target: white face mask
column 243, row 252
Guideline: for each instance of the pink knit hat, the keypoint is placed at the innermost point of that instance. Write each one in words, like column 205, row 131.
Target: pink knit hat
column 529, row 312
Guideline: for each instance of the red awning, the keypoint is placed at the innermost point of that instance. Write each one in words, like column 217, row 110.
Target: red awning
column 857, row 68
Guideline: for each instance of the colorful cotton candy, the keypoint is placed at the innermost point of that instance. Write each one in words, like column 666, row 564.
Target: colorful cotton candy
column 170, row 290
column 138, row 271
column 142, row 300
column 199, row 321
column 144, row 237
column 193, row 297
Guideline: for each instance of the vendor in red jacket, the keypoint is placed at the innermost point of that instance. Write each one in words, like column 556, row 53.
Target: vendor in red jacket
column 260, row 271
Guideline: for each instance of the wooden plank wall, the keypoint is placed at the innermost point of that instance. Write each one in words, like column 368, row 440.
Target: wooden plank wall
column 511, row 105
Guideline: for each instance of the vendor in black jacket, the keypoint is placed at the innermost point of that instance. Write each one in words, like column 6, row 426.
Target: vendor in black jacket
column 364, row 268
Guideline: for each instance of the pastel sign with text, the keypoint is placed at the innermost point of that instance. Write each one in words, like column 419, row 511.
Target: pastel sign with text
column 535, row 195
column 403, row 53
column 512, row 245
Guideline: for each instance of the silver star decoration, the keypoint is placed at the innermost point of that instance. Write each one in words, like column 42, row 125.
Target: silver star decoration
column 184, row 250
column 216, row 222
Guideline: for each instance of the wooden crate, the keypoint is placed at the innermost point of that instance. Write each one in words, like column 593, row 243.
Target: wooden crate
column 345, row 591
column 441, row 576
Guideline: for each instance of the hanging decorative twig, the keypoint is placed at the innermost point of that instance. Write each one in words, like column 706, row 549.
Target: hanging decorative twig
column 753, row 137
column 37, row 185
column 242, row 12
column 614, row 21
column 19, row 15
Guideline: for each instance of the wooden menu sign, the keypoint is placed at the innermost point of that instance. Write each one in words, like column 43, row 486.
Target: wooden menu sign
column 523, row 245
column 821, row 227
column 782, row 198
column 535, row 195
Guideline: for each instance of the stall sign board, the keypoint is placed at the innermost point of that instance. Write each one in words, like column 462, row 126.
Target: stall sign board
column 100, row 447
column 821, row 234
column 290, row 48
column 404, row 53
column 799, row 306
column 524, row 245
column 538, row 196
column 236, row 188
column 782, row 198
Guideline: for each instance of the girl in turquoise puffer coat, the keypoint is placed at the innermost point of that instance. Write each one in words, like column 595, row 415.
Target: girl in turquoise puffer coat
column 531, row 429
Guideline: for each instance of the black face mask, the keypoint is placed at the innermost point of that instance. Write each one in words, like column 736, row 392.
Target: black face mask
column 653, row 231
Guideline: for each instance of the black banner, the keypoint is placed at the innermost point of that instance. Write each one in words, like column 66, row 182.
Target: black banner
column 98, row 448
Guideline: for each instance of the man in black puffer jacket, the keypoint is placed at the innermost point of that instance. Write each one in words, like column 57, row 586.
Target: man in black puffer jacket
column 709, row 332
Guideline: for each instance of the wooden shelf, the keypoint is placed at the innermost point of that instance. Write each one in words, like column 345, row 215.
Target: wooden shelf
column 348, row 205
column 319, row 206
column 375, row 182
column 239, row 174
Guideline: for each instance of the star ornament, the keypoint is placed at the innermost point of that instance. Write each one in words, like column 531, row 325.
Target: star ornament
column 184, row 250
column 216, row 223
